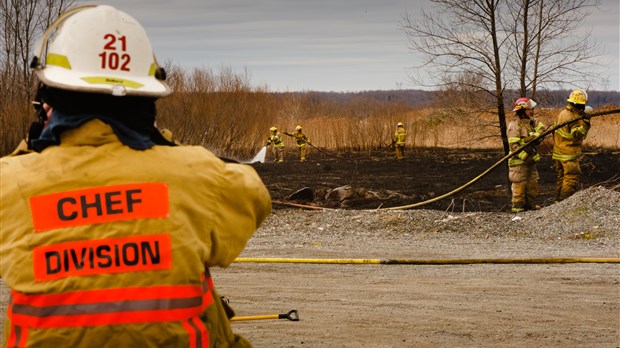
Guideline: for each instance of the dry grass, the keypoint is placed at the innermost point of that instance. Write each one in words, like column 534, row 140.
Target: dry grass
column 224, row 113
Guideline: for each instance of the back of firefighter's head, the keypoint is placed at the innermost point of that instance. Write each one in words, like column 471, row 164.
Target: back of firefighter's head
column 523, row 104
column 400, row 124
column 578, row 99
column 100, row 53
column 298, row 128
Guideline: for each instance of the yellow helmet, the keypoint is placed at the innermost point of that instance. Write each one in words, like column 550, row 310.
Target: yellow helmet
column 298, row 128
column 400, row 124
column 99, row 49
column 578, row 96
column 273, row 129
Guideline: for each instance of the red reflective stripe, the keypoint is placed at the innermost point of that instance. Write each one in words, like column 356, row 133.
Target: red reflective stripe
column 17, row 337
column 190, row 333
column 108, row 295
column 45, row 303
column 197, row 333
column 204, row 333
column 155, row 316
column 121, row 317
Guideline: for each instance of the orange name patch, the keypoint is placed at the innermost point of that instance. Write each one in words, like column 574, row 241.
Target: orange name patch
column 102, row 256
column 98, row 205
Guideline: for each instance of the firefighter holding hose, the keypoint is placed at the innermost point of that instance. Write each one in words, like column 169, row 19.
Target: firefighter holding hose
column 567, row 142
column 108, row 229
column 399, row 139
column 275, row 139
column 522, row 170
column 302, row 141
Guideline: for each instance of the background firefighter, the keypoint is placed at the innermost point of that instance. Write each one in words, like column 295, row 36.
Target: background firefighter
column 522, row 170
column 400, row 136
column 275, row 138
column 302, row 142
column 567, row 143
column 106, row 241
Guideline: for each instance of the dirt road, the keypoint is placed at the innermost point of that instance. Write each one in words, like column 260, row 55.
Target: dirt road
column 478, row 305
column 470, row 305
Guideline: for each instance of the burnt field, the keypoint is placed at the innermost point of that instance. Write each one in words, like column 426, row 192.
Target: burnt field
column 377, row 180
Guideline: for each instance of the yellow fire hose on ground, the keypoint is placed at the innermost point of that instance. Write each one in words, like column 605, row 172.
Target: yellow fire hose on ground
column 430, row 262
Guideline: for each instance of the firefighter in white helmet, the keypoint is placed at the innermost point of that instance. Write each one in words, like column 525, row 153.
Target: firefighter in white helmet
column 399, row 139
column 522, row 170
column 105, row 239
column 302, row 142
column 275, row 138
column 567, row 142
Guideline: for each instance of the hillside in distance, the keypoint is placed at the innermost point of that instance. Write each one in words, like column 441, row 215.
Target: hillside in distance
column 420, row 98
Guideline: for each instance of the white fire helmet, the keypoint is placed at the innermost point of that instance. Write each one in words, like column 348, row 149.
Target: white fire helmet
column 524, row 104
column 99, row 49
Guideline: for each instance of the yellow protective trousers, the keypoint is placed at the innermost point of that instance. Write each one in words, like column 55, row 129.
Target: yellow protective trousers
column 567, row 178
column 524, row 179
column 303, row 152
column 400, row 151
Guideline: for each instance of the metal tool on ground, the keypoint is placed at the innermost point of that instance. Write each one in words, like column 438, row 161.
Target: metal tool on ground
column 292, row 315
column 432, row 262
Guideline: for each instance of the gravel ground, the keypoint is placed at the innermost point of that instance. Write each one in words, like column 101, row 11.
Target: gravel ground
column 586, row 224
column 353, row 306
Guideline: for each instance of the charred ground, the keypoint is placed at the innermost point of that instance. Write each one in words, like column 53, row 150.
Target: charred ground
column 378, row 180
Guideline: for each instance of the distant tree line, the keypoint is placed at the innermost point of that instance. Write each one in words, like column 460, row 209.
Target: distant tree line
column 417, row 98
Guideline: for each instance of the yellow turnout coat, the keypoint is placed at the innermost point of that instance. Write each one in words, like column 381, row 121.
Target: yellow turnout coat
column 106, row 246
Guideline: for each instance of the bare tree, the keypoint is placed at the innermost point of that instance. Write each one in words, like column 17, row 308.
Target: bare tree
column 21, row 22
column 500, row 42
column 550, row 52
column 469, row 44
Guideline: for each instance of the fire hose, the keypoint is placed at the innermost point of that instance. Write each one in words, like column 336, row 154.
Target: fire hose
column 471, row 182
column 430, row 262
column 502, row 160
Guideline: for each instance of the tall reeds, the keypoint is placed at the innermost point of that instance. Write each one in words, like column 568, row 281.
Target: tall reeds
column 223, row 112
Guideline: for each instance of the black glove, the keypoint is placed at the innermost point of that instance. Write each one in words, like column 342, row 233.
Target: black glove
column 227, row 308
column 531, row 150
column 531, row 138
column 36, row 127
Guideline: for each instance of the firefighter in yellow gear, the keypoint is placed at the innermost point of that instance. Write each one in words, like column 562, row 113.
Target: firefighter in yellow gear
column 275, row 139
column 567, row 142
column 301, row 141
column 522, row 170
column 399, row 139
column 108, row 230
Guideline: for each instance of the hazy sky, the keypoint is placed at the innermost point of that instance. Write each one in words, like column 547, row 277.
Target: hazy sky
column 319, row 45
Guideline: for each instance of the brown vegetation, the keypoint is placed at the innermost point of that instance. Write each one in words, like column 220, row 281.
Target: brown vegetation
column 224, row 113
